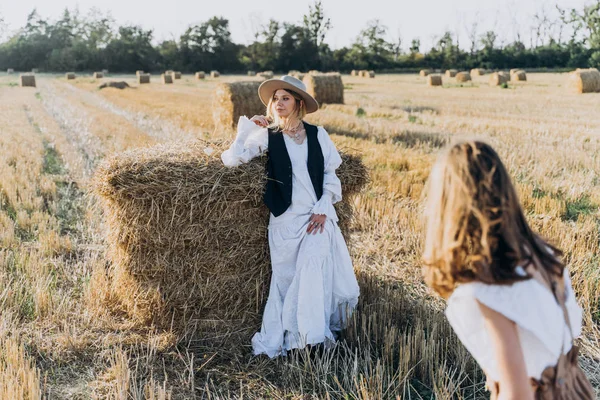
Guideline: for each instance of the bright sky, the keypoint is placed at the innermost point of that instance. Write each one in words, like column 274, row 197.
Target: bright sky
column 423, row 19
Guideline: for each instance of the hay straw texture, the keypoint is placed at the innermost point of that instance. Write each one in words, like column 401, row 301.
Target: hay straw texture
column 296, row 74
column 463, row 77
column 200, row 75
column 143, row 78
column 477, row 72
column 434, row 80
column 325, row 88
column 232, row 100
column 214, row 74
column 166, row 78
column 498, row 78
column 314, row 72
column 188, row 236
column 584, row 81
column 98, row 75
column 451, row 73
column 424, row 72
column 70, row 75
column 26, row 80
column 518, row 75
column 10, row 71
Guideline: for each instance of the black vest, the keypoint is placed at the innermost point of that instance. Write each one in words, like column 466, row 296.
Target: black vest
column 278, row 193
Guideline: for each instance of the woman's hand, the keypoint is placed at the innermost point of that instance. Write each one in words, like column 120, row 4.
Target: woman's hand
column 260, row 120
column 316, row 224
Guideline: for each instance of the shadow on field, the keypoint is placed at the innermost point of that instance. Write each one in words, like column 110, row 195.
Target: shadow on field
column 420, row 109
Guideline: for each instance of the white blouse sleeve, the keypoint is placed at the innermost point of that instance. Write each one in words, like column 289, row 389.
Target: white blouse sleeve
column 332, row 187
column 251, row 141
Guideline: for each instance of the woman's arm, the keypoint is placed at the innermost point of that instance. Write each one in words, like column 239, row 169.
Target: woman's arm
column 514, row 382
column 251, row 141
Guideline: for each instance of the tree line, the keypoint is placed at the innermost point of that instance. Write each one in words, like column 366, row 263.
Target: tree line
column 75, row 42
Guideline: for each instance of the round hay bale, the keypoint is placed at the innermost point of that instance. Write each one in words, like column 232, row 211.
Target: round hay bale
column 70, row 75
column 463, row 77
column 214, row 74
column 451, row 73
column 424, row 72
column 518, row 75
column 10, row 71
column 584, row 81
column 371, row 74
column 167, row 79
column 434, row 80
column 138, row 72
column 98, row 75
column 325, row 88
column 513, row 70
column 27, row 80
column 251, row 73
column 498, row 78
column 188, row 236
column 143, row 79
column 354, row 73
column 200, row 75
column 176, row 75
column 117, row 85
column 477, row 72
column 232, row 100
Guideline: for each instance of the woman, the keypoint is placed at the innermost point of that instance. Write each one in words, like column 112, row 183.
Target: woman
column 313, row 287
column 510, row 299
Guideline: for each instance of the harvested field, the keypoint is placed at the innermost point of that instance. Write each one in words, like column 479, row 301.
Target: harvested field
column 69, row 333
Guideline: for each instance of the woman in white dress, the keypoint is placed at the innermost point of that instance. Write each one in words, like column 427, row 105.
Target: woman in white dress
column 509, row 295
column 313, row 287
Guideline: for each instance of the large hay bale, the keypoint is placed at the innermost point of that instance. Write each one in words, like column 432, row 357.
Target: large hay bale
column 463, row 77
column 477, row 72
column 498, row 78
column 10, row 71
column 98, row 75
column 434, row 80
column 214, row 74
column 166, row 78
column 451, row 73
column 70, row 75
column 232, row 100
column 188, row 236
column 424, row 72
column 200, row 75
column 584, row 81
column 325, row 88
column 518, row 75
column 143, row 79
column 113, row 84
column 27, row 80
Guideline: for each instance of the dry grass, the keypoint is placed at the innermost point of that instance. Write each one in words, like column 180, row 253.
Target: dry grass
column 72, row 339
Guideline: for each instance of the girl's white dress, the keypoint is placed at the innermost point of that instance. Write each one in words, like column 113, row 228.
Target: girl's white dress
column 313, row 287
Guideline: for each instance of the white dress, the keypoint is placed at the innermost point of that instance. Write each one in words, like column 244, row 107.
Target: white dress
column 313, row 287
column 539, row 318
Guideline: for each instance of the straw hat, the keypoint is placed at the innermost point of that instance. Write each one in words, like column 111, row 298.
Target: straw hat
column 268, row 87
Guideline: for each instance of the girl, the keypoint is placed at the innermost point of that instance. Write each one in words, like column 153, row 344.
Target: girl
column 313, row 287
column 509, row 295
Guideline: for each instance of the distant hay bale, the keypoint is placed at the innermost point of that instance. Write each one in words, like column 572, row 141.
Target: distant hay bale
column 371, row 74
column 354, row 73
column 70, row 75
column 138, row 72
column 477, row 72
column 10, row 71
column 166, row 78
column 366, row 74
column 513, row 70
column 98, row 75
column 424, row 72
column 176, row 75
column 117, row 85
column 27, row 80
column 200, row 75
column 325, row 88
column 105, row 72
column 251, row 73
column 169, row 72
column 35, row 70
column 188, row 236
column 451, row 73
column 463, row 77
column 584, row 81
column 434, row 80
column 232, row 100
column 498, row 78
column 314, row 72
column 265, row 74
column 518, row 75
column 214, row 74
column 143, row 78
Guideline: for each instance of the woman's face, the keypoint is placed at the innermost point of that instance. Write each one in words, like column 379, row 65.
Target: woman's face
column 283, row 103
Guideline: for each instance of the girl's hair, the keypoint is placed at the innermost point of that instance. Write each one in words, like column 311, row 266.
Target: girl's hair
column 475, row 227
column 293, row 120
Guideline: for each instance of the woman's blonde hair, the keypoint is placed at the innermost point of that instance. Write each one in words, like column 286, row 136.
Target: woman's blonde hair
column 293, row 120
column 475, row 227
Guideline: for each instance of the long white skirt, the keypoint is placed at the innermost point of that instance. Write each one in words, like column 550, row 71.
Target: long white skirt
column 313, row 287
